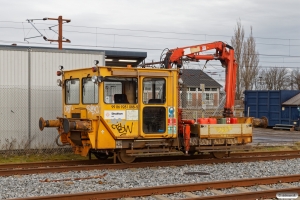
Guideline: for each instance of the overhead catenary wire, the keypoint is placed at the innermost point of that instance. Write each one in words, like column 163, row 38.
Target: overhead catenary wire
column 166, row 38
column 259, row 66
column 115, row 46
column 155, row 31
column 135, row 48
column 128, row 35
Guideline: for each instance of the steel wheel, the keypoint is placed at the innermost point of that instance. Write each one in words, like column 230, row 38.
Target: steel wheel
column 218, row 154
column 123, row 157
column 101, row 156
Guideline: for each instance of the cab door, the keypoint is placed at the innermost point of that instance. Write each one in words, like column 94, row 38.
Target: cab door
column 155, row 113
column 119, row 107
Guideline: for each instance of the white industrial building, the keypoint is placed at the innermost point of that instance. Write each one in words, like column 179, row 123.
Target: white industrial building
column 28, row 89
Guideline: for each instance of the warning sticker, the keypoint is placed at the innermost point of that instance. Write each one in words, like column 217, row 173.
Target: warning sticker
column 132, row 114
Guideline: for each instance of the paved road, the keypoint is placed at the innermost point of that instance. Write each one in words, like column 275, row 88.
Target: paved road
column 263, row 136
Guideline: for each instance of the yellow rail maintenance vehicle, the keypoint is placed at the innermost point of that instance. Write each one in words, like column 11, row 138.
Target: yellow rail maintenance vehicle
column 126, row 112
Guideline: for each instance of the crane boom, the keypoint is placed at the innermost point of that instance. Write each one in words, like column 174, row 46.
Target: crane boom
column 224, row 53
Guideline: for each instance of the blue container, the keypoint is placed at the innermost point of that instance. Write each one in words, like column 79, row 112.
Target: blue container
column 269, row 104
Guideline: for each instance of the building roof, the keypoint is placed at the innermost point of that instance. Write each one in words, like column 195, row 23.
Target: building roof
column 135, row 57
column 195, row 77
column 112, row 57
column 294, row 101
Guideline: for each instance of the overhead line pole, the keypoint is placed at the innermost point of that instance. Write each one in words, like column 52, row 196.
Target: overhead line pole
column 60, row 37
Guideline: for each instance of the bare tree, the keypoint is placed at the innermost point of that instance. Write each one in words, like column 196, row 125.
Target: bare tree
column 295, row 79
column 247, row 59
column 275, row 78
column 249, row 69
column 237, row 42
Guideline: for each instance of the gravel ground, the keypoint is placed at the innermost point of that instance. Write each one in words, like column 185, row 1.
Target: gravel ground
column 272, row 186
column 296, row 184
column 203, row 193
column 34, row 185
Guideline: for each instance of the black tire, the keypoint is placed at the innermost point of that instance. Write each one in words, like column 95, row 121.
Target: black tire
column 101, row 156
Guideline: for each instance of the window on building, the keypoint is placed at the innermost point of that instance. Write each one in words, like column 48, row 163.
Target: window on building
column 209, row 96
column 209, row 99
column 89, row 91
column 189, row 98
column 72, row 91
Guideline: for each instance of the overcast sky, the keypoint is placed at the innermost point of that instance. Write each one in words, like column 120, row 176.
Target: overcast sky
column 152, row 25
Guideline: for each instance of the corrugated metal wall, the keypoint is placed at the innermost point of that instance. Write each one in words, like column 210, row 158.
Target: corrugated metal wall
column 28, row 91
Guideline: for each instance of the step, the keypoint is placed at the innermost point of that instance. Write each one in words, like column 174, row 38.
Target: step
column 284, row 128
column 285, row 125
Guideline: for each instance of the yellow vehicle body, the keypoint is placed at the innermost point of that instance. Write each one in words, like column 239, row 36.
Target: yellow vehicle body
column 128, row 112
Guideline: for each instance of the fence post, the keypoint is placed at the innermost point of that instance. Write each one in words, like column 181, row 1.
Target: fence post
column 29, row 98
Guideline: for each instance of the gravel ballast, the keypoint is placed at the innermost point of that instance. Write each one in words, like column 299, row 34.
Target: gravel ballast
column 34, row 185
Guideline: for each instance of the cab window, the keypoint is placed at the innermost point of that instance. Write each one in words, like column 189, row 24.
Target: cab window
column 120, row 90
column 72, row 91
column 154, row 90
column 89, row 91
column 154, row 119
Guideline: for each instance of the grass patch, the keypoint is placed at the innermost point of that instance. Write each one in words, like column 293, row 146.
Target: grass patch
column 297, row 144
column 261, row 148
column 41, row 157
column 276, row 148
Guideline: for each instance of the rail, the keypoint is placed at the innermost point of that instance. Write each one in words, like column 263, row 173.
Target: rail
column 52, row 167
column 170, row 189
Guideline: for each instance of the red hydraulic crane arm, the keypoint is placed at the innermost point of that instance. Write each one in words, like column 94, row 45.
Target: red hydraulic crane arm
column 224, row 53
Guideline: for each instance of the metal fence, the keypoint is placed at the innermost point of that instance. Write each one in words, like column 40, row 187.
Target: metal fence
column 200, row 104
column 28, row 91
column 201, row 96
column 20, row 111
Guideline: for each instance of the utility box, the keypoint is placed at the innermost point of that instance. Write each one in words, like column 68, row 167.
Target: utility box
column 276, row 105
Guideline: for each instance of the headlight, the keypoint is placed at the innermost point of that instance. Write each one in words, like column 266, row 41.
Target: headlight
column 58, row 82
column 94, row 79
column 180, row 81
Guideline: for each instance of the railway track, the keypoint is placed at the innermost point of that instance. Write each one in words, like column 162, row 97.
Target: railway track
column 216, row 187
column 64, row 166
